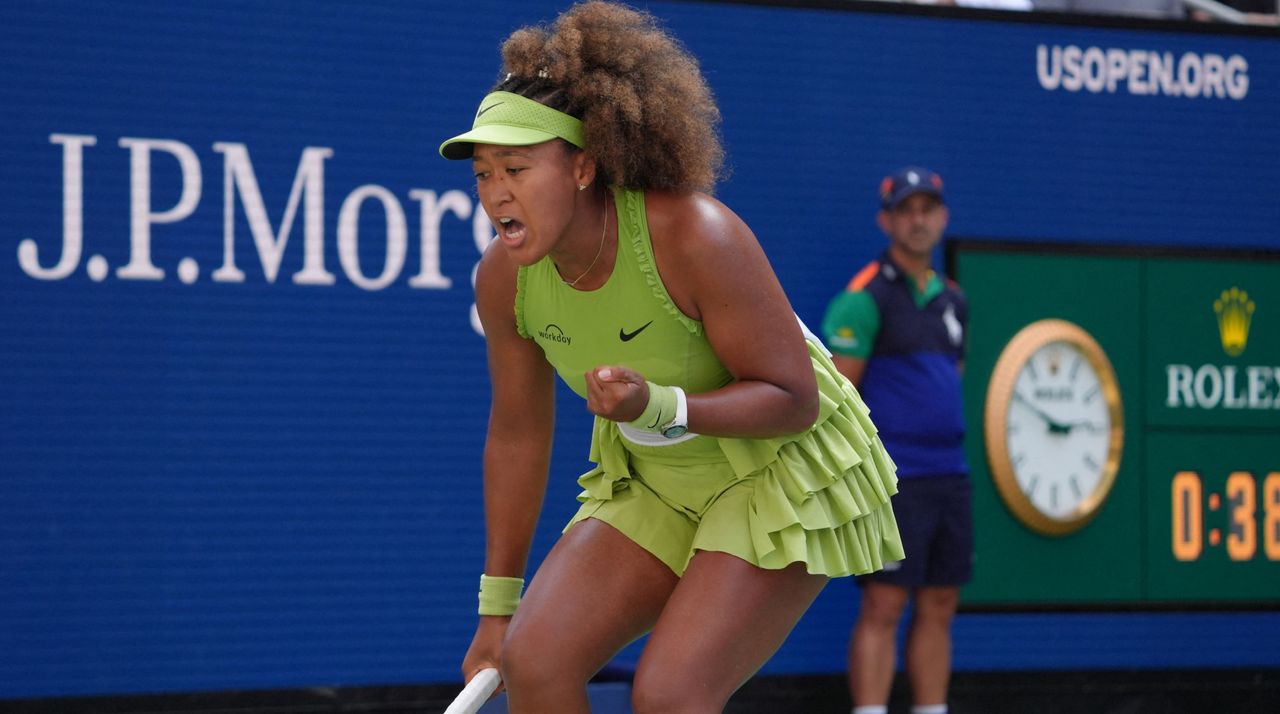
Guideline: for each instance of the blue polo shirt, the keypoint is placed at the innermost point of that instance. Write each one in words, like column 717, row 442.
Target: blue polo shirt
column 913, row 341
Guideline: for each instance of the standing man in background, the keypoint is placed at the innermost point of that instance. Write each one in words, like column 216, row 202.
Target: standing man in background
column 898, row 333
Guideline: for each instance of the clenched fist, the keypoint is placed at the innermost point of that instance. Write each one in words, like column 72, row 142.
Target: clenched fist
column 616, row 393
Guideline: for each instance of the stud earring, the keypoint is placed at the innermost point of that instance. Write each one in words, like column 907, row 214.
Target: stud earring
column 582, row 187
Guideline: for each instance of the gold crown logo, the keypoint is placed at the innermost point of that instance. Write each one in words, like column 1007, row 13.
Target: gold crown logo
column 1235, row 312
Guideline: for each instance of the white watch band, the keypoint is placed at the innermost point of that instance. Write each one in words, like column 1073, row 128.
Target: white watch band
column 682, row 411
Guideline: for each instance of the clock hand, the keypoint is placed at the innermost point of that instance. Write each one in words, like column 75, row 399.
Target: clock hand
column 1086, row 425
column 1055, row 427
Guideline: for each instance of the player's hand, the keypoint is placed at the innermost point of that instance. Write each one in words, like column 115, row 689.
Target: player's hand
column 616, row 393
column 486, row 647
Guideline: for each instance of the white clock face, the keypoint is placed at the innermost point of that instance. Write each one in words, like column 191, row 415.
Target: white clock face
column 1058, row 431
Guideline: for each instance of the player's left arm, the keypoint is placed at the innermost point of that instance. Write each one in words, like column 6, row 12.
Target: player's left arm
column 717, row 273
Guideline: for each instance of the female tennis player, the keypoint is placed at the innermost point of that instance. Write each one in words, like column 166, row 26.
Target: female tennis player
column 736, row 470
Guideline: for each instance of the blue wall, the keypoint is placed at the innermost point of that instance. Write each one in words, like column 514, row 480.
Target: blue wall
column 273, row 481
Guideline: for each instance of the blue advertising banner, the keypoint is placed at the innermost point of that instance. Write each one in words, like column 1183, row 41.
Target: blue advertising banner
column 242, row 389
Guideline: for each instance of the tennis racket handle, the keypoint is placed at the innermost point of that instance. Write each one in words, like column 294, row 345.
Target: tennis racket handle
column 476, row 693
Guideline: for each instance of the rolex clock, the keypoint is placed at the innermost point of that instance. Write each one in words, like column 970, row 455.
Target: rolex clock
column 1054, row 426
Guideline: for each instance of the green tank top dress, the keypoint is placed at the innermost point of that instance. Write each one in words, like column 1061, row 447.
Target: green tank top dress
column 821, row 496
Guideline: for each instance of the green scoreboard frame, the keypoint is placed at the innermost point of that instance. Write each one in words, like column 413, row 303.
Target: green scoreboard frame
column 1193, row 517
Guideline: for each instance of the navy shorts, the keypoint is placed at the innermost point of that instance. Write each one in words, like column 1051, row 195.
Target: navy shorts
column 935, row 518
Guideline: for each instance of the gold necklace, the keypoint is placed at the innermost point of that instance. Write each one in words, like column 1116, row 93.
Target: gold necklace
column 599, row 250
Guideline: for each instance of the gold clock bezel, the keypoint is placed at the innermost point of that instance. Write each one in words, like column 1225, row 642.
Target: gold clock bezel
column 995, row 421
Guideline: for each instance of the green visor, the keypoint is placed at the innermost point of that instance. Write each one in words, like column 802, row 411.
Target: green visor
column 508, row 119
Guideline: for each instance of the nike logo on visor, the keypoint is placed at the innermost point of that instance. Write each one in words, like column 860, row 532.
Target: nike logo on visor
column 628, row 336
column 491, row 106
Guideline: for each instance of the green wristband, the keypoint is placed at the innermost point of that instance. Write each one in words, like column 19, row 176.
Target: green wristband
column 499, row 595
column 660, row 410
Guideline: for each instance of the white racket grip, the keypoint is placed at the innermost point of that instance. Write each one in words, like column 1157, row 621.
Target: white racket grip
column 476, row 693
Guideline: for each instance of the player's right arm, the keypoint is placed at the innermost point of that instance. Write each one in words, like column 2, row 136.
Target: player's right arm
column 517, row 445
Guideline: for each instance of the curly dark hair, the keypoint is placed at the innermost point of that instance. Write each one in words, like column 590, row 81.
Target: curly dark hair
column 650, row 118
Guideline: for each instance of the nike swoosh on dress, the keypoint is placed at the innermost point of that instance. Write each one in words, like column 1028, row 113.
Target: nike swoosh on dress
column 628, row 336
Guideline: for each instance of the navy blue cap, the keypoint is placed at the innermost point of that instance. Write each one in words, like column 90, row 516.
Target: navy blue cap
column 907, row 181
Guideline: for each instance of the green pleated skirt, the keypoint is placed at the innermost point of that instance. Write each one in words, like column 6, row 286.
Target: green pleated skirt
column 820, row 497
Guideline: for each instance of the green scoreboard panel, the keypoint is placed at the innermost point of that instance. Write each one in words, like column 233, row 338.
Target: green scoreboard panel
column 1193, row 513
column 1213, row 522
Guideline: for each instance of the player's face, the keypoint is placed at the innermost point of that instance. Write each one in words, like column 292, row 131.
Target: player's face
column 528, row 193
column 916, row 224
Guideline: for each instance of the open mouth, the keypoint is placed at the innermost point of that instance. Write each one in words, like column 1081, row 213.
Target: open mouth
column 511, row 230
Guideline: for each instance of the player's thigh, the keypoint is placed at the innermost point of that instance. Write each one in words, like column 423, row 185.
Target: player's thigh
column 724, row 620
column 595, row 592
